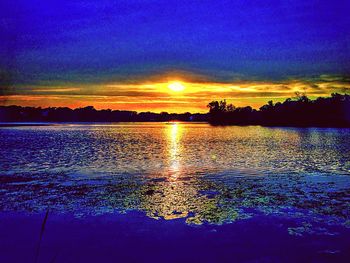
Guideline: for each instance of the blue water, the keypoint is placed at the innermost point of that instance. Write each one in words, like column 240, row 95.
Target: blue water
column 249, row 192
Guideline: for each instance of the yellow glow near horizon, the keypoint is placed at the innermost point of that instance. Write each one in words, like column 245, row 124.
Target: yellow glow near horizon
column 176, row 86
column 174, row 94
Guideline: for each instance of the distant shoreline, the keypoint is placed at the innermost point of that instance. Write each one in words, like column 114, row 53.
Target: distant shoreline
column 36, row 124
column 331, row 112
column 18, row 124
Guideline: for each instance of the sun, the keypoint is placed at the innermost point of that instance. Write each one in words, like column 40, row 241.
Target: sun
column 176, row 86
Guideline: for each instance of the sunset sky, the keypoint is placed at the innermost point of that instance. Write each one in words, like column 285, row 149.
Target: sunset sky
column 172, row 55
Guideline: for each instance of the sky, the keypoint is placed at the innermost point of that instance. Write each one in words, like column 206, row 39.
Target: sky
column 126, row 54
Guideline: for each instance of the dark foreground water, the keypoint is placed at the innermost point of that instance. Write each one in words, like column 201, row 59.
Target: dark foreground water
column 159, row 192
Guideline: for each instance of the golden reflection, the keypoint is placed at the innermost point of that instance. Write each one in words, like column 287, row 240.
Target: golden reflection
column 174, row 138
column 189, row 197
column 179, row 192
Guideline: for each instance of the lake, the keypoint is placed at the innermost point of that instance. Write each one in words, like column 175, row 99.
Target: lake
column 174, row 192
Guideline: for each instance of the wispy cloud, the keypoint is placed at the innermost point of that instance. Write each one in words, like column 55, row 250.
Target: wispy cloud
column 156, row 96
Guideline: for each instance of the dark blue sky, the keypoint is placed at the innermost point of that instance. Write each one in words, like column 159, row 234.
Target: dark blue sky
column 92, row 41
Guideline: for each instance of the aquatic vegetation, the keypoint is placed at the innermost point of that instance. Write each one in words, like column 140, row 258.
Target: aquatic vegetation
column 197, row 199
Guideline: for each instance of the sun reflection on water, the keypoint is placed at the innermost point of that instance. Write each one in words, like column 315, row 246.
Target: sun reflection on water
column 174, row 134
column 179, row 192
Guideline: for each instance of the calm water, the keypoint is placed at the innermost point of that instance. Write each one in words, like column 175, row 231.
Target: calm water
column 252, row 194
column 201, row 173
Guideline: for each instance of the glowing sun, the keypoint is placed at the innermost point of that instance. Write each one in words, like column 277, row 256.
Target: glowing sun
column 176, row 86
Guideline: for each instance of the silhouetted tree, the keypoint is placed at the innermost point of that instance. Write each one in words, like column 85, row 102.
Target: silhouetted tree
column 331, row 111
column 88, row 114
column 326, row 112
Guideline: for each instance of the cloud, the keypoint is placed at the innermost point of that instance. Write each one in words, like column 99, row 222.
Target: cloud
column 155, row 95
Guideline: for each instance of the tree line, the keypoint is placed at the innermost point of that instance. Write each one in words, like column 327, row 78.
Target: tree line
column 89, row 114
column 301, row 111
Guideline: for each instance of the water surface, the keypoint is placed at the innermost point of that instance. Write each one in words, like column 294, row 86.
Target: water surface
column 192, row 172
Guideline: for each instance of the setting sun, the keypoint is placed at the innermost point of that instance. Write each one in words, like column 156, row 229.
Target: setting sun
column 176, row 86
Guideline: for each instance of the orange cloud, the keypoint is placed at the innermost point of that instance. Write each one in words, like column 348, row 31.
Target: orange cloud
column 156, row 96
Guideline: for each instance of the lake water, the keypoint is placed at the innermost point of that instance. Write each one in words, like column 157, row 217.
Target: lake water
column 193, row 174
